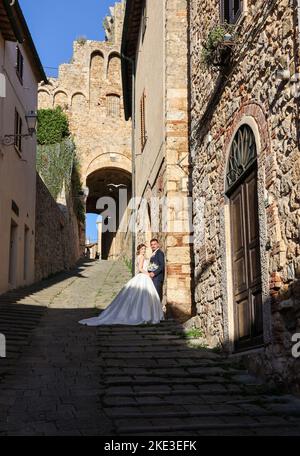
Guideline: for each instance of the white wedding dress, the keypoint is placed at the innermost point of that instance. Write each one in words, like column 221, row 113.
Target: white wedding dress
column 137, row 303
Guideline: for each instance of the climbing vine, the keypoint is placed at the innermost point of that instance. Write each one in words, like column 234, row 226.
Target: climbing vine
column 79, row 208
column 57, row 163
column 53, row 126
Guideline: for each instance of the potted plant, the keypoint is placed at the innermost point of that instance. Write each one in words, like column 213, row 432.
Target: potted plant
column 218, row 47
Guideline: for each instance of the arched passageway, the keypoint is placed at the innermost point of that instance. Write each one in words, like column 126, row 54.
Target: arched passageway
column 109, row 194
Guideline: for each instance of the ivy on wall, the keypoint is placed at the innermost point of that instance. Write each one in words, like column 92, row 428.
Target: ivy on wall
column 53, row 126
column 57, row 163
column 79, row 208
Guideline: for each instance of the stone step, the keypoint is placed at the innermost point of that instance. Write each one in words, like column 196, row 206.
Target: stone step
column 217, row 428
column 209, row 383
column 171, row 371
column 187, row 400
column 145, row 391
column 160, row 414
column 171, row 353
column 208, row 375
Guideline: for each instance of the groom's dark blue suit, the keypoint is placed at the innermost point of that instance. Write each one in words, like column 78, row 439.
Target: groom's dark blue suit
column 158, row 280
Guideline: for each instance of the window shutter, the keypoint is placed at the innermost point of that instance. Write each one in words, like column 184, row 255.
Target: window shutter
column 16, row 127
column 20, row 133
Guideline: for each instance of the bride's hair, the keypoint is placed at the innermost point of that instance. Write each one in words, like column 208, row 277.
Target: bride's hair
column 139, row 248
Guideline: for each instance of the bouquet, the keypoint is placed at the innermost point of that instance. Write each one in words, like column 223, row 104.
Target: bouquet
column 153, row 267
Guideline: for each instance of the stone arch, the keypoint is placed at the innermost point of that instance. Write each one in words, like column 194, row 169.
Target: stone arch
column 78, row 101
column 96, row 76
column 253, row 116
column 45, row 100
column 106, row 197
column 108, row 160
column 114, row 67
column 60, row 99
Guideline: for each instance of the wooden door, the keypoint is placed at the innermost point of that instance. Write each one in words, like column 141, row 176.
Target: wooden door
column 246, row 267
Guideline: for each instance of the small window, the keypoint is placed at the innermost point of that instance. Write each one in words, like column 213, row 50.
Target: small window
column 113, row 105
column 18, row 131
column 20, row 65
column 143, row 121
column 231, row 10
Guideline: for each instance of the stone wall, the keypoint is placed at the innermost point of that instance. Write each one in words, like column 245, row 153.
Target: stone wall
column 249, row 91
column 56, row 235
column 162, row 163
column 179, row 240
column 90, row 92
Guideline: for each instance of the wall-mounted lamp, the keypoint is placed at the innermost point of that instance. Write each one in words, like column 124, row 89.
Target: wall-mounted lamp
column 31, row 120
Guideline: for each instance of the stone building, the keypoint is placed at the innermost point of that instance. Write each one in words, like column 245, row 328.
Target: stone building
column 155, row 68
column 89, row 90
column 21, row 71
column 246, row 169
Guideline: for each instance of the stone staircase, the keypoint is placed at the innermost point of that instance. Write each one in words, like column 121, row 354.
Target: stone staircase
column 21, row 311
column 155, row 384
column 131, row 381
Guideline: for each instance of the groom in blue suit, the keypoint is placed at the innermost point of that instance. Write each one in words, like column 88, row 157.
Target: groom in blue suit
column 157, row 259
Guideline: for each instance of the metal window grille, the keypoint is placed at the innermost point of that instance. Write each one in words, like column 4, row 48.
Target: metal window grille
column 113, row 106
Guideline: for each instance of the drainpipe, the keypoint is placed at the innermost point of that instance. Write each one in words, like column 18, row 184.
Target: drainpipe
column 134, row 209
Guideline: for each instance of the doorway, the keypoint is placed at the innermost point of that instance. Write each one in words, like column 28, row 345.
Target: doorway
column 245, row 240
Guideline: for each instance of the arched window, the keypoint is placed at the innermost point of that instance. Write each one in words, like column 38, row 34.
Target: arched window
column 243, row 154
column 241, row 189
column 113, row 105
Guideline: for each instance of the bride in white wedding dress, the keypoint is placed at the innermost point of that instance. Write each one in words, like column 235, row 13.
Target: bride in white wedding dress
column 137, row 303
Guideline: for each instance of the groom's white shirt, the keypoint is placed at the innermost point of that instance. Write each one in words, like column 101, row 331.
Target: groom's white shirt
column 153, row 253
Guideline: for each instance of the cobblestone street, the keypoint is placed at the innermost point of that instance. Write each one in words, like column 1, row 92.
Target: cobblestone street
column 60, row 378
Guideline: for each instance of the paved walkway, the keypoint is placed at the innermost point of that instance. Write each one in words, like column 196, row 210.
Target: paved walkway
column 61, row 378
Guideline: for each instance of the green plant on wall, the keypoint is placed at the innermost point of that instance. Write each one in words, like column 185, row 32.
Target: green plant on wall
column 53, row 126
column 79, row 208
column 56, row 161
column 214, row 51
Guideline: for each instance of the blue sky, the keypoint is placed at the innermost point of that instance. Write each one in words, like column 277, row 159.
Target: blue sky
column 54, row 26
